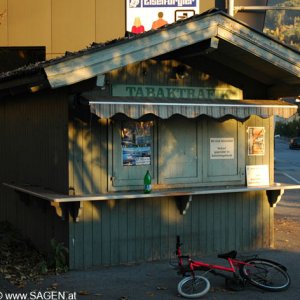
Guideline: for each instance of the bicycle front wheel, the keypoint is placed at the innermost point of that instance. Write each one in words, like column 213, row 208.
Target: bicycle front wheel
column 193, row 286
column 266, row 274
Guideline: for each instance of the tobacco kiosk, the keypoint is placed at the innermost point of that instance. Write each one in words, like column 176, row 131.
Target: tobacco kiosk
column 193, row 102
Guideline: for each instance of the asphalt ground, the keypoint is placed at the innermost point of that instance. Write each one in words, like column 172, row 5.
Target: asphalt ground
column 153, row 281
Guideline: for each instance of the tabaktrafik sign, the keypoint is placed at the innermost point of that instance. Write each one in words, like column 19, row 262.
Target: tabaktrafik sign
column 144, row 15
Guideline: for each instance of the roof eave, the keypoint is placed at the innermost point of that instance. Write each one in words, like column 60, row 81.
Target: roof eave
column 23, row 84
column 219, row 25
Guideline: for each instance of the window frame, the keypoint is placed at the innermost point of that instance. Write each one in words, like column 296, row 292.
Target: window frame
column 158, row 182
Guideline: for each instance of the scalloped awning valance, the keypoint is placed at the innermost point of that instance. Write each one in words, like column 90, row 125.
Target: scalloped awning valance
column 165, row 108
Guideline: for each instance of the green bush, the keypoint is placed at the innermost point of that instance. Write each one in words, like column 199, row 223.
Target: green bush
column 59, row 257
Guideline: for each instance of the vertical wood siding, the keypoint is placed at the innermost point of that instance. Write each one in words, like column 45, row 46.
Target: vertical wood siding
column 127, row 231
column 87, row 174
column 163, row 73
column 124, row 231
column 36, row 141
column 88, row 156
column 34, row 151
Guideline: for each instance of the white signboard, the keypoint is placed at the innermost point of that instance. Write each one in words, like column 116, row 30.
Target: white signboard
column 257, row 175
column 144, row 15
column 221, row 148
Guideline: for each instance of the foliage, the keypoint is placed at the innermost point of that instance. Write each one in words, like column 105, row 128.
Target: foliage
column 21, row 262
column 58, row 259
column 289, row 129
column 284, row 25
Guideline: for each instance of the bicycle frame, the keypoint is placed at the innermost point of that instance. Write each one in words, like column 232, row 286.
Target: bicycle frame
column 194, row 265
column 199, row 265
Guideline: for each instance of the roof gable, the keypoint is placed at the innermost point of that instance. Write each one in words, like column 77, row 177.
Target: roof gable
column 218, row 26
column 213, row 41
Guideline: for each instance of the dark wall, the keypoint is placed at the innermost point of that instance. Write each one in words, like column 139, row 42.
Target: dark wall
column 34, row 150
column 254, row 19
column 35, row 134
column 14, row 57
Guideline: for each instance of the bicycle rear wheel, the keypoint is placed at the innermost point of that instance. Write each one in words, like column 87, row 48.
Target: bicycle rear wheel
column 193, row 286
column 266, row 274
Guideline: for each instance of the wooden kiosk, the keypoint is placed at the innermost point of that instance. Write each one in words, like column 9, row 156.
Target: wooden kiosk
column 192, row 102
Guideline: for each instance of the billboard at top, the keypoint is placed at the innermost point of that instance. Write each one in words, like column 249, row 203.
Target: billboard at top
column 144, row 15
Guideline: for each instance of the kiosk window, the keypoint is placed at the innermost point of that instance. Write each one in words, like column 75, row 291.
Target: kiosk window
column 178, row 152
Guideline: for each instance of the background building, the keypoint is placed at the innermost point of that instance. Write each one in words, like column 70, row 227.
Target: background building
column 67, row 25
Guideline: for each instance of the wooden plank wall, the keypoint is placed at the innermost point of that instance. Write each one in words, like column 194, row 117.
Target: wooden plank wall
column 127, row 231
column 36, row 141
column 34, row 151
column 163, row 73
column 88, row 148
column 123, row 231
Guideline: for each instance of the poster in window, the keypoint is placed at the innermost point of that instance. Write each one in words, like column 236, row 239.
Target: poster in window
column 136, row 139
column 256, row 141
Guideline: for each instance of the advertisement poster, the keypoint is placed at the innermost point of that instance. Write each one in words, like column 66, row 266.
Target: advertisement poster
column 136, row 138
column 221, row 148
column 144, row 15
column 257, row 175
column 256, row 141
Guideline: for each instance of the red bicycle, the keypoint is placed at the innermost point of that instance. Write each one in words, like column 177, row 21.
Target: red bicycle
column 262, row 273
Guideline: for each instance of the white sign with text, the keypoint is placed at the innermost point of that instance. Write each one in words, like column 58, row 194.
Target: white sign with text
column 257, row 175
column 221, row 148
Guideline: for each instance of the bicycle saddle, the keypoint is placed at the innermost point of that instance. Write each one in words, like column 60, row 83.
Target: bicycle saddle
column 231, row 254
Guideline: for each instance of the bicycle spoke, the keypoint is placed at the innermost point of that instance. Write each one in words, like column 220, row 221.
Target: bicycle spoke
column 193, row 286
column 266, row 274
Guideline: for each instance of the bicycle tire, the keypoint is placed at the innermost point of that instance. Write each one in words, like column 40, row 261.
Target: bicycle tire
column 266, row 274
column 193, row 286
